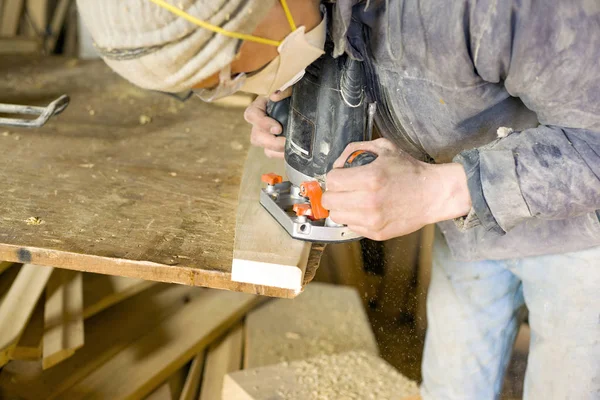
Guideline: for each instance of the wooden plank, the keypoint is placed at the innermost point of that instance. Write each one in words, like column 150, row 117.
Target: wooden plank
column 37, row 17
column 63, row 317
column 352, row 375
column 155, row 201
column 263, row 253
column 192, row 383
column 29, row 346
column 4, row 265
column 103, row 291
column 7, row 279
column 171, row 389
column 11, row 15
column 135, row 316
column 223, row 357
column 18, row 305
column 424, row 276
column 166, row 348
column 56, row 24
column 19, row 45
column 325, row 319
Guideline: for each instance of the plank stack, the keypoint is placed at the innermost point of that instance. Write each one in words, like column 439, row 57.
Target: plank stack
column 34, row 26
column 73, row 335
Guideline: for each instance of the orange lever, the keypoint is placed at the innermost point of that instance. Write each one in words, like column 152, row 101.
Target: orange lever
column 271, row 178
column 313, row 191
column 303, row 209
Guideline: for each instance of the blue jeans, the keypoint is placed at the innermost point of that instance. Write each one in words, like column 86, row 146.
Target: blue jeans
column 473, row 320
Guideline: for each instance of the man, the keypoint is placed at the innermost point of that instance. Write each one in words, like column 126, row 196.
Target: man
column 490, row 113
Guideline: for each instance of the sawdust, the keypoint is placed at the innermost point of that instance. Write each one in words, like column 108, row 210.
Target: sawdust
column 352, row 375
column 145, row 119
column 325, row 319
column 34, row 221
column 235, row 145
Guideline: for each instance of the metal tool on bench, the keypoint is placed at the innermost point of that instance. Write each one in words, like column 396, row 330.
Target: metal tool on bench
column 43, row 113
column 327, row 110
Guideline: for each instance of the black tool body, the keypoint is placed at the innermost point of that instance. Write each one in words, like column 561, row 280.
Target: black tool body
column 326, row 112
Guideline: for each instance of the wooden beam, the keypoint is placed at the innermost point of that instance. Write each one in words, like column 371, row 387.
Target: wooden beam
column 7, row 279
column 136, row 317
column 166, row 348
column 192, row 383
column 11, row 15
column 223, row 357
column 352, row 375
column 103, row 291
column 325, row 319
column 4, row 265
column 18, row 305
column 263, row 252
column 63, row 317
column 171, row 389
column 30, row 344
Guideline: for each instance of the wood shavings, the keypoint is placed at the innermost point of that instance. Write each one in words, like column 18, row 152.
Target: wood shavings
column 352, row 375
column 34, row 221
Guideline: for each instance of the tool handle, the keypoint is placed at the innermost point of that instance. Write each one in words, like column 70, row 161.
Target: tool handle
column 280, row 111
column 360, row 157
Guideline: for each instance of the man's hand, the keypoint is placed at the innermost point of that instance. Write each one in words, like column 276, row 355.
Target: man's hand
column 265, row 128
column 395, row 194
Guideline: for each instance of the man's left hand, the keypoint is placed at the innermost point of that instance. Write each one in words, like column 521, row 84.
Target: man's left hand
column 395, row 194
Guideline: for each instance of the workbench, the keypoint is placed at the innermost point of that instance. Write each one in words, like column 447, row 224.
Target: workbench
column 124, row 182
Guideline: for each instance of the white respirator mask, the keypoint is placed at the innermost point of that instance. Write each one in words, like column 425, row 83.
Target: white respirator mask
column 297, row 51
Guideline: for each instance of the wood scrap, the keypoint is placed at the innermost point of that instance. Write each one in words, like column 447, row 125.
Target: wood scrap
column 137, row 316
column 325, row 319
column 29, row 346
column 63, row 317
column 11, row 15
column 192, row 382
column 223, row 357
column 165, row 348
column 103, row 291
column 263, row 252
column 18, row 305
column 352, row 375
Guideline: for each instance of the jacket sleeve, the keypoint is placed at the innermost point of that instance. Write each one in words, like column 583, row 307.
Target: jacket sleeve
column 548, row 55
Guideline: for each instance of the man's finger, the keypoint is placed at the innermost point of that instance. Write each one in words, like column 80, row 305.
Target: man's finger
column 348, row 218
column 274, row 154
column 256, row 115
column 349, row 201
column 277, row 96
column 363, row 178
column 264, row 139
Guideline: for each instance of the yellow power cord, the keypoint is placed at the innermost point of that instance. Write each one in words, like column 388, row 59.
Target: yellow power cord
column 218, row 29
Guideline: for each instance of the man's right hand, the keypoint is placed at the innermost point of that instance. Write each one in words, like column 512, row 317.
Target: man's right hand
column 265, row 128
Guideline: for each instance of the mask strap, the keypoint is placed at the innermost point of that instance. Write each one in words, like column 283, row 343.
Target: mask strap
column 218, row 29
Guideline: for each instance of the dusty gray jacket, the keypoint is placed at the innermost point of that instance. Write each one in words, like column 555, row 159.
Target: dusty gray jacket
column 450, row 73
